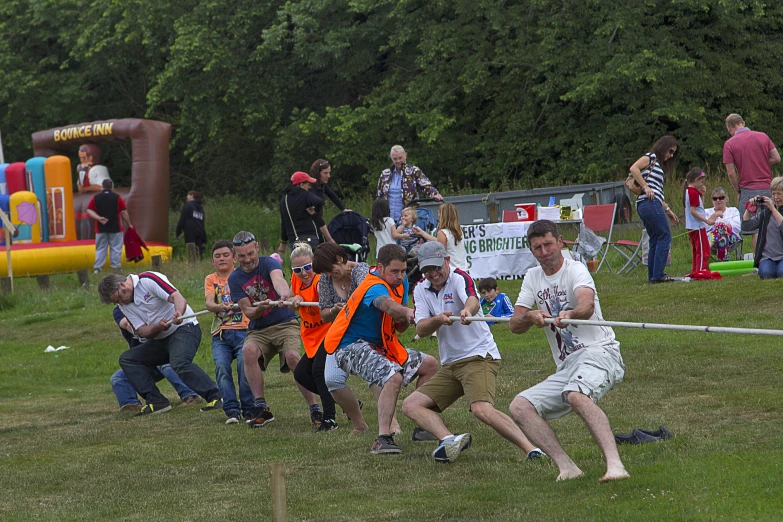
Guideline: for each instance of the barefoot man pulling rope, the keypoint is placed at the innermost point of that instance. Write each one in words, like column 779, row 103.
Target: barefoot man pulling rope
column 587, row 357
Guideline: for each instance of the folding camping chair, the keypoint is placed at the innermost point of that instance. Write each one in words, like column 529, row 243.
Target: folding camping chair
column 600, row 218
column 631, row 251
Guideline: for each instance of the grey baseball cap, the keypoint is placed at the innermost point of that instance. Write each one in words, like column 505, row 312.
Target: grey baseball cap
column 431, row 253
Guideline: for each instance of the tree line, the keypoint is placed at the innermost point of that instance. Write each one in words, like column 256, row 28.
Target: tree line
column 484, row 94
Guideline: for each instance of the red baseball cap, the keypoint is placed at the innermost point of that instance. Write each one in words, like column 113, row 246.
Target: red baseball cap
column 301, row 177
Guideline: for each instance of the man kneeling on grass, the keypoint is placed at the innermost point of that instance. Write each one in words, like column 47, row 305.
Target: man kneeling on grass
column 468, row 353
column 149, row 301
column 587, row 357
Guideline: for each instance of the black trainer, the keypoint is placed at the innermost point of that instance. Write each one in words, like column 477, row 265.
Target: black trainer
column 152, row 409
column 264, row 418
column 327, row 425
column 420, row 435
column 384, row 444
column 316, row 417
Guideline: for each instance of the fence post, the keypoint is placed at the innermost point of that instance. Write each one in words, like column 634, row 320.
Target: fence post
column 279, row 509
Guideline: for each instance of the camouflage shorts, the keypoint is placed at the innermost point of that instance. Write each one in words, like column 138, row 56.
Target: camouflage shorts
column 368, row 362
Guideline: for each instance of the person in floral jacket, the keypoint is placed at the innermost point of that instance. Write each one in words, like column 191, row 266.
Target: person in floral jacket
column 401, row 183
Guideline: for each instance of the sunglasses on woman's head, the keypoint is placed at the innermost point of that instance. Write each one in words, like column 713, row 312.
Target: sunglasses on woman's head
column 718, row 198
column 300, row 269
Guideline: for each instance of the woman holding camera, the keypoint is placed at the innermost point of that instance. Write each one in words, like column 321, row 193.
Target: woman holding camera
column 768, row 256
column 649, row 171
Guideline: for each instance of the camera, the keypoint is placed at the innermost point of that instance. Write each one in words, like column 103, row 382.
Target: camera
column 759, row 200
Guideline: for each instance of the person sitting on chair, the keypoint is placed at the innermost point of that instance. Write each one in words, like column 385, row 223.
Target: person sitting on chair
column 724, row 233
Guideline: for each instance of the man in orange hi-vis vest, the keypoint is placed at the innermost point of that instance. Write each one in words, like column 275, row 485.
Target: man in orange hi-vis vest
column 363, row 340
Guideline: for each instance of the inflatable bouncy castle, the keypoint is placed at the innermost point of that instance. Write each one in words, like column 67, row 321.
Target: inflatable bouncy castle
column 38, row 195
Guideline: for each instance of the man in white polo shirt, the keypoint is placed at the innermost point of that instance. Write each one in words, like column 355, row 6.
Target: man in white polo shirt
column 149, row 301
column 468, row 354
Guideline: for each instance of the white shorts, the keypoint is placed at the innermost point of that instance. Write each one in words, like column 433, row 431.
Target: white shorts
column 591, row 371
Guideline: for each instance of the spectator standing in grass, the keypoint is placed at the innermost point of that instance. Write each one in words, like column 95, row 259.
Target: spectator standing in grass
column 696, row 220
column 273, row 329
column 767, row 218
column 229, row 330
column 649, row 171
column 108, row 208
column 299, row 213
column 494, row 303
column 587, row 357
column 468, row 354
column 321, row 172
column 149, row 301
column 191, row 221
column 748, row 156
column 401, row 182
column 124, row 390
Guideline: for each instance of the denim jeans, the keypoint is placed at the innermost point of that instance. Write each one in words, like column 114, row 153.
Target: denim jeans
column 769, row 269
column 178, row 349
column 657, row 226
column 104, row 243
column 227, row 346
column 126, row 394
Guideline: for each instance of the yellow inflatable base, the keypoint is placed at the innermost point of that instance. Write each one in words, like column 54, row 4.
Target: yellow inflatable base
column 58, row 258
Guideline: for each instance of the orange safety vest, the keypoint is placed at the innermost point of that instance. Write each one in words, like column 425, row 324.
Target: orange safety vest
column 392, row 347
column 312, row 329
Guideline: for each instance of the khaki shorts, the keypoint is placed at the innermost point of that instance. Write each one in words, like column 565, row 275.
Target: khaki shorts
column 591, row 371
column 473, row 377
column 276, row 340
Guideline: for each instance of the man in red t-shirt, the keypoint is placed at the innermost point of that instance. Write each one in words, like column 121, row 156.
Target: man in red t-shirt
column 107, row 208
column 749, row 156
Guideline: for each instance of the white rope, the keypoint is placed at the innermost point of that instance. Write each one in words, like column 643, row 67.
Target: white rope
column 236, row 307
column 646, row 326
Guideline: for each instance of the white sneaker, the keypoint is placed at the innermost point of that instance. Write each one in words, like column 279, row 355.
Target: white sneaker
column 450, row 448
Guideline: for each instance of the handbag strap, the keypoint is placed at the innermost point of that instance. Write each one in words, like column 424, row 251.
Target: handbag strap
column 296, row 235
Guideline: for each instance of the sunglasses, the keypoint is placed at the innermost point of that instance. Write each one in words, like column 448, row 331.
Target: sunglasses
column 323, row 164
column 244, row 240
column 304, row 268
column 427, row 269
column 672, row 151
column 718, row 198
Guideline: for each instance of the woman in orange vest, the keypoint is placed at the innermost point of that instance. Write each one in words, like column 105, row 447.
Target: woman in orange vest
column 309, row 372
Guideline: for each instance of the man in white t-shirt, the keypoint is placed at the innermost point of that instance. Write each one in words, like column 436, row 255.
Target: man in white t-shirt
column 149, row 301
column 587, row 357
column 468, row 354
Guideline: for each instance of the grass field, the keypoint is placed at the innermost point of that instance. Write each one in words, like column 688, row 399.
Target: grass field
column 66, row 453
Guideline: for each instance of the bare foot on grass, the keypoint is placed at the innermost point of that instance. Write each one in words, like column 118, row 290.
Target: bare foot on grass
column 614, row 474
column 570, row 474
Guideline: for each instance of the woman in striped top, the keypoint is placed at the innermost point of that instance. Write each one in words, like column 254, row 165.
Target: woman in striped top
column 650, row 171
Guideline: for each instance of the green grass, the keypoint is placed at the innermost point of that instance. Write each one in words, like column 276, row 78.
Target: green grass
column 67, row 454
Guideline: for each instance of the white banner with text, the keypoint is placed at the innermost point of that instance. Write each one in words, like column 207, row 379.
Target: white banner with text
column 498, row 250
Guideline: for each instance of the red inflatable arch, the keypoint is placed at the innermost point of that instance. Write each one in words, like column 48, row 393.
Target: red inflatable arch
column 148, row 198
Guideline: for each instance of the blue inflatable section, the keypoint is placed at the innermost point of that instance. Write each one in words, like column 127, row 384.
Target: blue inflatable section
column 37, row 184
column 5, row 204
column 3, row 186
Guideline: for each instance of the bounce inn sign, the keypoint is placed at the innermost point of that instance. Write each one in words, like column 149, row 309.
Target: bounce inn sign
column 84, row 131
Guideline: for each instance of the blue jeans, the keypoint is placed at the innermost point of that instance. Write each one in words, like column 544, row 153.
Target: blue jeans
column 178, row 349
column 227, row 346
column 769, row 269
column 657, row 226
column 126, row 393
